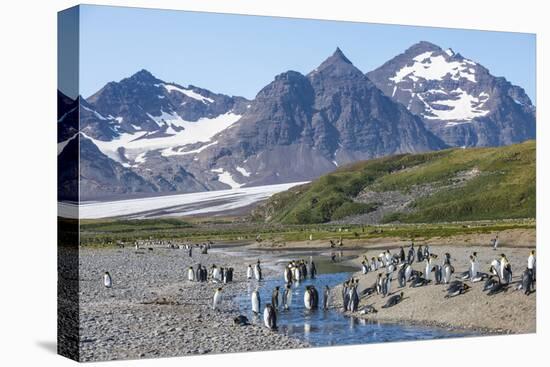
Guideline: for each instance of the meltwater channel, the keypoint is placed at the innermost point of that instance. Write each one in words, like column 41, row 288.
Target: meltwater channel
column 330, row 327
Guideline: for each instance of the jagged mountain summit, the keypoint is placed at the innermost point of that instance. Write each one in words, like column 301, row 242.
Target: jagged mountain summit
column 301, row 126
column 458, row 99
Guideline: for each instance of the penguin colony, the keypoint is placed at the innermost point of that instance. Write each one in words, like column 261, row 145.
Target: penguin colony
column 398, row 266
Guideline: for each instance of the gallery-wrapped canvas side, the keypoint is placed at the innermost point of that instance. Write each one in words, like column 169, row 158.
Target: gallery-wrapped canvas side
column 67, row 183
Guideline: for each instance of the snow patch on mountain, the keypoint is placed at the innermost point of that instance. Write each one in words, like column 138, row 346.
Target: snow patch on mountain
column 460, row 107
column 188, row 92
column 190, row 132
column 226, row 178
column 97, row 114
column 243, row 171
column 429, row 67
column 140, row 158
column 180, row 151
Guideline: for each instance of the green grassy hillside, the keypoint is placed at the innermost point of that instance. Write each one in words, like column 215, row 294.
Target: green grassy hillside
column 463, row 184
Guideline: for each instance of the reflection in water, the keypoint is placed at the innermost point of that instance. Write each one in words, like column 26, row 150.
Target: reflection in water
column 321, row 328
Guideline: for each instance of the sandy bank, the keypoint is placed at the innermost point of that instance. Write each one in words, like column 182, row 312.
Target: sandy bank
column 509, row 312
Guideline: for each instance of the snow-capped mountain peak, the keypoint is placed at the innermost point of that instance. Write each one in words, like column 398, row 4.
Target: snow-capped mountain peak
column 450, row 92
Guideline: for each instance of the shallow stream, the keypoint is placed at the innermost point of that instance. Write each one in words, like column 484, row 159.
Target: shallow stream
column 330, row 327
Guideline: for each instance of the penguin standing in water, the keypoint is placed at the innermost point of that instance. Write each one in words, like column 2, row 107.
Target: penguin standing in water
column 287, row 297
column 303, row 269
column 191, row 274
column 288, row 274
column 353, row 299
column 270, row 317
column 312, row 269
column 315, row 295
column 249, row 272
column 275, row 298
column 258, row 271
column 107, row 280
column 255, row 299
column 308, row 298
column 217, row 299
column 345, row 295
column 326, row 297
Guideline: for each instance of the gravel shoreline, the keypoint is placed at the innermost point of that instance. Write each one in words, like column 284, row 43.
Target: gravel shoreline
column 154, row 311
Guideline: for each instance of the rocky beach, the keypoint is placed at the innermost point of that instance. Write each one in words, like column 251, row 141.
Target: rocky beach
column 152, row 310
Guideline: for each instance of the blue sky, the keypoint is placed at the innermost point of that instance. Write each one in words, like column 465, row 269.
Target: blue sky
column 238, row 54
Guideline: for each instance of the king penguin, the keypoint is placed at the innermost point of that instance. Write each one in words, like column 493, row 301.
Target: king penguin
column 345, row 295
column 532, row 264
column 258, row 271
column 217, row 299
column 312, row 269
column 364, row 267
column 275, row 298
column 308, row 298
column 428, row 269
column 249, row 272
column 438, row 273
column 386, row 285
column 354, row 299
column 326, row 297
column 191, row 274
column 107, row 281
column 288, row 274
column 379, row 284
column 255, row 299
column 401, row 277
column 527, row 282
column 216, row 276
column 287, row 297
column 505, row 270
column 270, row 317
